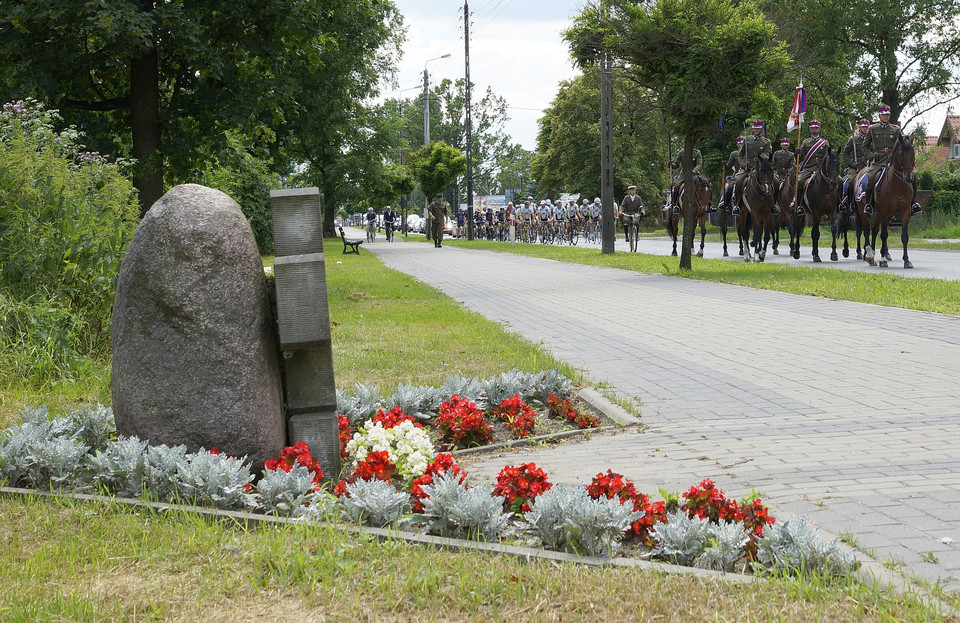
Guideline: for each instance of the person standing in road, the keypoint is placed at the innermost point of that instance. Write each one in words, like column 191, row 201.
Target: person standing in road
column 438, row 214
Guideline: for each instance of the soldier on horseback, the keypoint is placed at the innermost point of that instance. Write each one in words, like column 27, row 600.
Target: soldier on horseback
column 783, row 159
column 734, row 163
column 811, row 152
column 677, row 166
column 854, row 158
column 877, row 145
column 751, row 149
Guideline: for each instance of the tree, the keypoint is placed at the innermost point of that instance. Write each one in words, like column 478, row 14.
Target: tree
column 436, row 166
column 674, row 48
column 164, row 81
column 568, row 143
column 904, row 53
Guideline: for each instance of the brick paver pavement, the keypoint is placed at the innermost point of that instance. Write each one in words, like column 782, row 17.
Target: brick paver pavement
column 846, row 413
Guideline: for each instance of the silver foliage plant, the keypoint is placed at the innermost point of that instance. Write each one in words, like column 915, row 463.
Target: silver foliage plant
column 120, row 467
column 423, row 402
column 794, row 547
column 40, row 452
column 215, row 480
column 93, row 427
column 696, row 542
column 570, row 520
column 281, row 493
column 373, row 503
column 455, row 510
column 725, row 542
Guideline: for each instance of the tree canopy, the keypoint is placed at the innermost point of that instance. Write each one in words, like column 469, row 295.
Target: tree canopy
column 436, row 166
column 166, row 81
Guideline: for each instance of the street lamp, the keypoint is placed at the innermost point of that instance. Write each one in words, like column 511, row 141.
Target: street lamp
column 426, row 99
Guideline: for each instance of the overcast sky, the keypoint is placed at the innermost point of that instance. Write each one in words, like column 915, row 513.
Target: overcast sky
column 515, row 48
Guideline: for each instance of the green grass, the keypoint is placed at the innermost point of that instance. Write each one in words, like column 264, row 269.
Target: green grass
column 68, row 560
column 932, row 295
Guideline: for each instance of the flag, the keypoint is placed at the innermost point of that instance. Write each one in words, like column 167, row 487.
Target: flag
column 799, row 107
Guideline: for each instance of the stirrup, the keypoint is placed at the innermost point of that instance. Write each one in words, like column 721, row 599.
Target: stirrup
column 775, row 209
column 868, row 210
column 735, row 211
column 916, row 209
column 800, row 211
column 843, row 208
column 676, row 209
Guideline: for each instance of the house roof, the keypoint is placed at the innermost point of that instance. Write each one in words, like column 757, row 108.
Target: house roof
column 950, row 131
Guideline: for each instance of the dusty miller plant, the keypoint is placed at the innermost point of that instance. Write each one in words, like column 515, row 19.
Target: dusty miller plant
column 317, row 506
column 120, row 467
column 570, row 520
column 362, row 405
column 472, row 389
column 794, row 547
column 421, row 402
column 162, row 466
column 453, row 509
column 40, row 451
column 282, row 492
column 215, row 480
column 373, row 503
column 506, row 384
column 93, row 427
column 681, row 540
column 724, row 547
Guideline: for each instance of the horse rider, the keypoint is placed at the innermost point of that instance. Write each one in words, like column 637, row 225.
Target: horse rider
column 734, row 163
column 631, row 204
column 811, row 152
column 783, row 159
column 750, row 152
column 855, row 159
column 877, row 145
column 677, row 166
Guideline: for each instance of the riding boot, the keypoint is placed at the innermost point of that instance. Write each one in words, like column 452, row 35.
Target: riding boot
column 916, row 209
column 800, row 211
column 775, row 210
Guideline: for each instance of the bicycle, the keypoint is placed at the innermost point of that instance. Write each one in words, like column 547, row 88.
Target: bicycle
column 371, row 230
column 388, row 230
column 631, row 226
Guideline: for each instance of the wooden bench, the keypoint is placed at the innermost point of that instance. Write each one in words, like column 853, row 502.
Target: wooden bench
column 353, row 243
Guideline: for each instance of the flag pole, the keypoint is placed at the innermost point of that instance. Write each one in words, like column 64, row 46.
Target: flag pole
column 796, row 179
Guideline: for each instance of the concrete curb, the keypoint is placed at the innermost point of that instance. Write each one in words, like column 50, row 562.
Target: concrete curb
column 612, row 410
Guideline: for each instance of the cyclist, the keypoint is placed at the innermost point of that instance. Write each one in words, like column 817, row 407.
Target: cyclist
column 389, row 219
column 371, row 224
column 461, row 222
column 488, row 217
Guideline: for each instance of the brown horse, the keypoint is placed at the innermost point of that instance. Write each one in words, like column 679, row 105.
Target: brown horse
column 702, row 200
column 893, row 193
column 757, row 198
column 819, row 197
column 785, row 203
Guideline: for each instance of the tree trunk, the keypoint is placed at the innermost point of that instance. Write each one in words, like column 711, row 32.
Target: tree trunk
column 686, row 262
column 145, row 126
column 329, row 230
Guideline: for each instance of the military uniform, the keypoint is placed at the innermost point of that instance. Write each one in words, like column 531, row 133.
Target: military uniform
column 783, row 159
column 438, row 213
column 812, row 152
column 854, row 159
column 735, row 162
column 750, row 151
column 877, row 145
column 677, row 166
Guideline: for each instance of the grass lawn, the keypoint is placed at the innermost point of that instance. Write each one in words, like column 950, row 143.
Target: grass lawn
column 932, row 295
column 65, row 560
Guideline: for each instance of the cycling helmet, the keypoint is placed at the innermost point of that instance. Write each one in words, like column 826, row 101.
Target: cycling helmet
column 586, row 202
column 597, row 200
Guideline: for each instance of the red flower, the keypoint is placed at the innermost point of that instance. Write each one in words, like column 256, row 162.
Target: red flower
column 441, row 464
column 519, row 417
column 613, row 485
column 394, row 417
column 519, row 486
column 564, row 408
column 461, row 423
column 376, row 466
column 346, row 433
column 298, row 453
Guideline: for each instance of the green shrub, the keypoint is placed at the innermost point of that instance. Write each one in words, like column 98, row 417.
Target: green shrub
column 66, row 217
column 945, row 201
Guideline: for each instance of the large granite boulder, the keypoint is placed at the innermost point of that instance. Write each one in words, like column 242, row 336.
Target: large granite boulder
column 195, row 359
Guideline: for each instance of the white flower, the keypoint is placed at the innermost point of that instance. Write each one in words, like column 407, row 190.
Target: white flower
column 408, row 446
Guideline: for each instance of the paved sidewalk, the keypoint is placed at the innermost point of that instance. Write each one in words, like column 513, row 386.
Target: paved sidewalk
column 844, row 412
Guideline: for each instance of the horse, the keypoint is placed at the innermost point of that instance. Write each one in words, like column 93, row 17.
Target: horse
column 785, row 203
column 893, row 193
column 757, row 198
column 820, row 198
column 702, row 200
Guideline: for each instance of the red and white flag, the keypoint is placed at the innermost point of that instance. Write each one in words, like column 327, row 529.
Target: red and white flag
column 799, row 107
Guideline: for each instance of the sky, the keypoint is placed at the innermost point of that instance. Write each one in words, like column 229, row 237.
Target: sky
column 515, row 48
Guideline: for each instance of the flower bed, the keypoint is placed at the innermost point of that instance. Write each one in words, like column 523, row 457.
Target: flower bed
column 391, row 486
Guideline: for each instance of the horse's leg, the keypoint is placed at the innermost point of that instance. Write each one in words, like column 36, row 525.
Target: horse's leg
column 723, row 231
column 768, row 228
column 859, row 229
column 833, row 232
column 815, row 239
column 743, row 233
column 870, row 241
column 844, row 223
column 798, row 231
column 884, row 252
column 905, row 238
column 703, row 234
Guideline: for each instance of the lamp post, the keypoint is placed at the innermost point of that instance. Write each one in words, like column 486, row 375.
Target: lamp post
column 426, row 99
column 426, row 126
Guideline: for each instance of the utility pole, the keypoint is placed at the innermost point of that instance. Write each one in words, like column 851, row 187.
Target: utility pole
column 426, row 126
column 469, row 128
column 607, row 201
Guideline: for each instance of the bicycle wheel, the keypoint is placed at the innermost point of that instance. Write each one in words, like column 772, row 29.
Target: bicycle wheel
column 634, row 230
column 574, row 235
